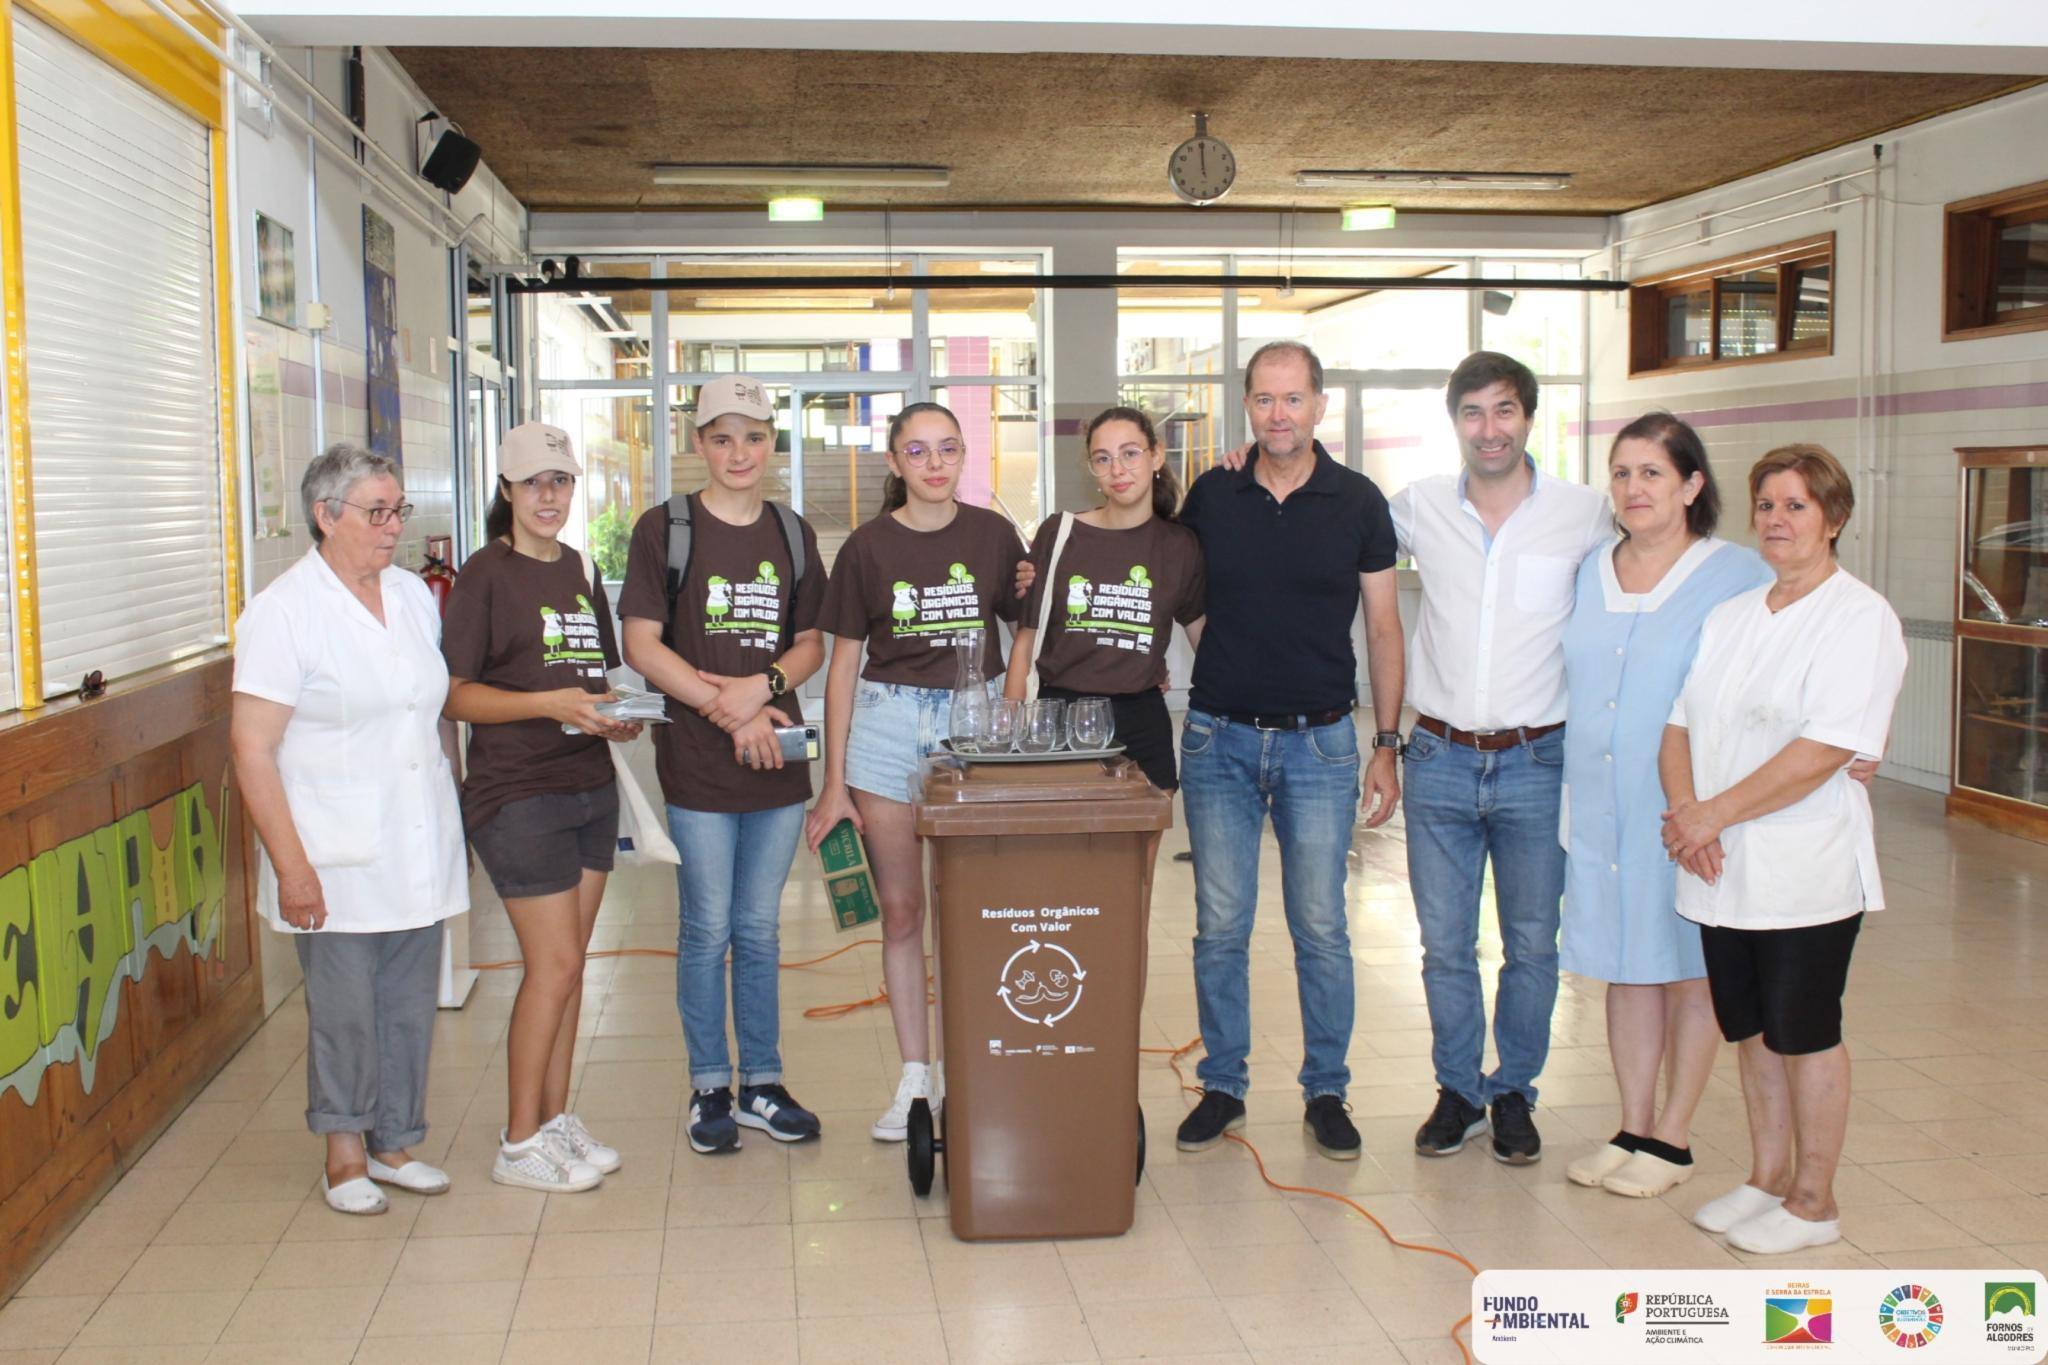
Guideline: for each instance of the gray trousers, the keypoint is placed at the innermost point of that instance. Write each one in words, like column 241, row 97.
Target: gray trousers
column 370, row 1001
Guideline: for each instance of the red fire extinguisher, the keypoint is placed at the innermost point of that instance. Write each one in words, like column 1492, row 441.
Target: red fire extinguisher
column 439, row 574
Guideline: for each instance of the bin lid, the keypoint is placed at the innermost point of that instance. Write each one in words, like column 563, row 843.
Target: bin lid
column 1085, row 795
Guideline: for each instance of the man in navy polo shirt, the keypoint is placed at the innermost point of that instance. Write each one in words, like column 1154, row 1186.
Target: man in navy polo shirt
column 1293, row 541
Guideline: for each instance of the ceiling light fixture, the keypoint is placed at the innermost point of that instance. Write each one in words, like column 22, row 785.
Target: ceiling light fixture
column 809, row 177
column 796, row 209
column 740, row 303
column 1433, row 180
column 1367, row 218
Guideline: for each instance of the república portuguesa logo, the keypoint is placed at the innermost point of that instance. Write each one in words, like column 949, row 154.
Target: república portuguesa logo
column 1510, row 1313
column 2009, row 1307
column 1672, row 1319
column 1799, row 1316
column 1624, row 1304
column 1910, row 1316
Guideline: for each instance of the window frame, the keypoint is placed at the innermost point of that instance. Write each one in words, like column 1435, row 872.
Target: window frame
column 1969, row 278
column 1649, row 297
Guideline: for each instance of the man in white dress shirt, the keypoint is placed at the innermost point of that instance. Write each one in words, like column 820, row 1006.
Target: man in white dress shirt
column 1498, row 547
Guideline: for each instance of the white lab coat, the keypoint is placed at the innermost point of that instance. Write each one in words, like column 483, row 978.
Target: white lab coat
column 1827, row 668
column 369, row 788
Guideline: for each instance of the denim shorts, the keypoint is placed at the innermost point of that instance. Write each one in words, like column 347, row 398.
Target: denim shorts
column 895, row 727
column 543, row 845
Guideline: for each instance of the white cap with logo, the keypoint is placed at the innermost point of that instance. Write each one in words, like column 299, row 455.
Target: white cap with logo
column 733, row 393
column 535, row 448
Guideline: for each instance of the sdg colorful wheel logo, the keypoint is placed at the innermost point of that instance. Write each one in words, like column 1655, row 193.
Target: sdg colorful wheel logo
column 1798, row 1321
column 1910, row 1316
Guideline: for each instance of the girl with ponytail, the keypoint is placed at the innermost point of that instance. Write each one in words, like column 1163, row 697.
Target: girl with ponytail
column 906, row 581
column 1107, row 588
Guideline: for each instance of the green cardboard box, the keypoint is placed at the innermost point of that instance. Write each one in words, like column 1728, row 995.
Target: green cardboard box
column 844, row 861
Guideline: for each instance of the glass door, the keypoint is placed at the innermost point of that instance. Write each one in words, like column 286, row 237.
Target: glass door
column 838, row 442
column 1391, row 424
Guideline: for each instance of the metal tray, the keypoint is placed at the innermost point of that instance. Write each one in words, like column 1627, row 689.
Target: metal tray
column 1055, row 756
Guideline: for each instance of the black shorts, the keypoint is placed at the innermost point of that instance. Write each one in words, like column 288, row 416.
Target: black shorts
column 1783, row 983
column 542, row 845
column 1144, row 729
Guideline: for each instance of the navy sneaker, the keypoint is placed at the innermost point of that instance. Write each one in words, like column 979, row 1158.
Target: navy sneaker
column 769, row 1108
column 712, row 1128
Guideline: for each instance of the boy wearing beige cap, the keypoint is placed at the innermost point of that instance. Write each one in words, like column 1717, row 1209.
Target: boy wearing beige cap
column 721, row 601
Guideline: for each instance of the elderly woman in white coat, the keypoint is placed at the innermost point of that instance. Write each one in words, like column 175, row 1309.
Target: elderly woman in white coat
column 1792, row 681
column 345, row 766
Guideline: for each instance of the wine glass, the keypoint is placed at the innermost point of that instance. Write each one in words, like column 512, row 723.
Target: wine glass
column 1042, row 726
column 1004, row 717
column 1091, row 723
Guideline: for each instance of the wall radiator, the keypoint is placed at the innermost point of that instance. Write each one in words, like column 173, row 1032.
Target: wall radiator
column 1923, row 722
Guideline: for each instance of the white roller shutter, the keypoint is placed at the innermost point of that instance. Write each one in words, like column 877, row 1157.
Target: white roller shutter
column 117, row 233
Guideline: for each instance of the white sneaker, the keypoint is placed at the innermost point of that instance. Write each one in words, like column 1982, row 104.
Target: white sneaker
column 1739, row 1205
column 894, row 1125
column 545, row 1162
column 587, row 1148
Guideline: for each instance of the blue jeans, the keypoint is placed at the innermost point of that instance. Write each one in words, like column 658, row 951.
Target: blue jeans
column 1232, row 777
column 730, row 889
column 1463, row 807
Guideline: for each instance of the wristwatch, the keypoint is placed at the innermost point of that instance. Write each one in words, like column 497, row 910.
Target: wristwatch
column 778, row 681
column 1388, row 739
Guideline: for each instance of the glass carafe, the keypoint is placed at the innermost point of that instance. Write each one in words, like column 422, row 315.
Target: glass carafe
column 969, row 725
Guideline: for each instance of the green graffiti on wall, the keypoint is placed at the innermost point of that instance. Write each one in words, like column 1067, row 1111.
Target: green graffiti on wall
column 79, row 919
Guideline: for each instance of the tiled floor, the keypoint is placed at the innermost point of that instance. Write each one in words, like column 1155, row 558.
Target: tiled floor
column 217, row 1248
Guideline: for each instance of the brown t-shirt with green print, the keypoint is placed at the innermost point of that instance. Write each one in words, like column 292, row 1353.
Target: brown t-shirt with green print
column 728, row 621
column 912, row 593
column 526, row 626
column 1116, row 595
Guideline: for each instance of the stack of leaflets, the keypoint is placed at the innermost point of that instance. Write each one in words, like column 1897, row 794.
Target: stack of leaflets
column 631, row 704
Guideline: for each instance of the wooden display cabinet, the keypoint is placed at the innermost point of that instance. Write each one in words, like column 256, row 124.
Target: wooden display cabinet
column 1999, row 772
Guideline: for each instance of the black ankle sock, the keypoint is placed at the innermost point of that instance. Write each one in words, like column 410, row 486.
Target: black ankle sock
column 1627, row 1141
column 1664, row 1151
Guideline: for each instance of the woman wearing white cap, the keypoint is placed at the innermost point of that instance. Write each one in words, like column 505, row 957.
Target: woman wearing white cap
column 528, row 639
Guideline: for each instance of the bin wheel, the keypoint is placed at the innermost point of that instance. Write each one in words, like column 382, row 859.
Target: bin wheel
column 1141, row 1144
column 920, row 1148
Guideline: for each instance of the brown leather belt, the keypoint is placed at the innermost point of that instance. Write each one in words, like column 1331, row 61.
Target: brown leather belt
column 1486, row 741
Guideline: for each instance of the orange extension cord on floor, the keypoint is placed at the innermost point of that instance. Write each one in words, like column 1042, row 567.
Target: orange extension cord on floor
column 1172, row 1055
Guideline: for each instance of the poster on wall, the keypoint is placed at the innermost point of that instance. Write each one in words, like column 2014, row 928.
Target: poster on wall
column 266, row 431
column 380, row 309
column 276, row 280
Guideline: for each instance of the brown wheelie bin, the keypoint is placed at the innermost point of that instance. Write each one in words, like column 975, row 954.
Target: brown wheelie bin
column 1040, row 880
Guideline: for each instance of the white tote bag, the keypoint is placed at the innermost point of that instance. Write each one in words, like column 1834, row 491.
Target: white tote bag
column 1045, row 596
column 643, row 834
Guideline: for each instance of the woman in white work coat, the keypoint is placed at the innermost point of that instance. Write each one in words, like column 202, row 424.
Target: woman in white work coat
column 344, row 764
column 1777, row 855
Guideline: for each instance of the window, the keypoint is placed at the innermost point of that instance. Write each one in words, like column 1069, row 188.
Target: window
column 117, row 227
column 1764, row 305
column 1996, row 272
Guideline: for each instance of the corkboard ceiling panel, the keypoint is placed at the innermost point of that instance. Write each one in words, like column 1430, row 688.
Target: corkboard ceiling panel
column 581, row 128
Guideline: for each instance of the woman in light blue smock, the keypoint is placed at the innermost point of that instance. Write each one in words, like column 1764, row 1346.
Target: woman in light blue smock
column 1631, row 639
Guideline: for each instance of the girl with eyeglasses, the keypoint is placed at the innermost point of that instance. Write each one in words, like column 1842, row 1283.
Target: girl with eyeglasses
column 1108, row 586
column 907, row 583
column 528, row 639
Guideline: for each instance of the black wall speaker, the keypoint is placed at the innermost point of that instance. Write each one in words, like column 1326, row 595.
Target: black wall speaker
column 452, row 162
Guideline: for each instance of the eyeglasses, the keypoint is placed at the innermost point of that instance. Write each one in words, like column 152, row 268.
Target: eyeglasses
column 947, row 452
column 379, row 515
column 1130, row 457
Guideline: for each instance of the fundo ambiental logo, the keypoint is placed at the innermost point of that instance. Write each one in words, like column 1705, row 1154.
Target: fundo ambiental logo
column 1509, row 1313
column 1910, row 1316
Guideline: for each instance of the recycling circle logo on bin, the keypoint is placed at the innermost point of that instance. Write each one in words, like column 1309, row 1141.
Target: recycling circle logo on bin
column 1042, row 982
